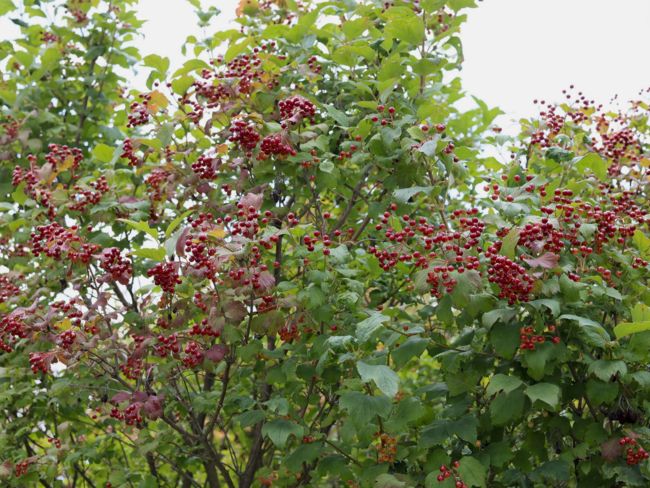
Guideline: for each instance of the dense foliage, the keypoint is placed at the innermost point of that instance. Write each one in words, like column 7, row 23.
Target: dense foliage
column 295, row 261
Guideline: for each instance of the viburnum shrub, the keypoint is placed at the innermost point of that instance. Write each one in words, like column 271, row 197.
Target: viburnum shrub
column 293, row 260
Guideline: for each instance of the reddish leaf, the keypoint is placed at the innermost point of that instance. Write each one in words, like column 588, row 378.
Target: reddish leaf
column 611, row 450
column 120, row 397
column 252, row 200
column 153, row 407
column 216, row 353
column 266, row 280
column 547, row 260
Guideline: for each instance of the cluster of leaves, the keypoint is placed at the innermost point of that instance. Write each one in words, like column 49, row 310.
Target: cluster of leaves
column 291, row 263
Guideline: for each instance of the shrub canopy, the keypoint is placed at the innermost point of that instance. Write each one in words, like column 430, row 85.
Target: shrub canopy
column 295, row 261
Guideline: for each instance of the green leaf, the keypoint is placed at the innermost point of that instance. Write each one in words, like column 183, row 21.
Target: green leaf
column 246, row 419
column 181, row 84
column 505, row 339
column 157, row 62
column 466, row 428
column 545, row 392
column 280, row 430
column 412, row 347
column 369, row 326
column 457, row 5
column 552, row 305
column 503, row 315
column 362, row 407
column 403, row 195
column 510, row 243
column 605, row 369
column 501, row 382
column 148, row 482
column 430, row 147
column 507, row 407
column 472, row 472
column 50, row 58
column 326, row 166
column 176, row 222
column 19, row 195
column 559, row 470
column 236, row 49
column 467, row 283
column 628, row 328
column 6, row 6
column 404, row 24
column 640, row 313
column 304, row 453
column 570, row 289
column 388, row 481
column 600, row 392
column 592, row 331
column 385, row 378
column 155, row 254
column 103, row 153
column 642, row 242
column 337, row 115
column 142, row 227
column 595, row 163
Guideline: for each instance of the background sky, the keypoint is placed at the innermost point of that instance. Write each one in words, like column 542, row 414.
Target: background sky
column 515, row 50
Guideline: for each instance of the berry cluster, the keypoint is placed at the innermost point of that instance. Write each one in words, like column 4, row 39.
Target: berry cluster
column 157, row 182
column 139, row 112
column 206, row 167
column 29, row 177
column 387, row 448
column 133, row 368
column 635, row 453
column 445, row 473
column 514, row 283
column 380, row 109
column 40, row 361
column 289, row 332
column 84, row 197
column 313, row 65
column 204, row 329
column 7, row 289
column 167, row 345
column 66, row 338
column 12, row 327
column 53, row 240
column 193, row 355
column 130, row 415
column 245, row 134
column 295, row 109
column 62, row 156
column 55, row 441
column 438, row 249
column 128, row 152
column 166, row 276
column 22, row 467
column 118, row 268
column 528, row 337
column 276, row 145
column 198, row 247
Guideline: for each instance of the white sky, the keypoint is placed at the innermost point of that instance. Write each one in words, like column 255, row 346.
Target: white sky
column 515, row 50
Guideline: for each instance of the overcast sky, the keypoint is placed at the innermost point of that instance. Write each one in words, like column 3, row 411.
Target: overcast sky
column 515, row 50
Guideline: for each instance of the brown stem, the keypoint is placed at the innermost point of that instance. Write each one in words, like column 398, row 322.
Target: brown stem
column 353, row 198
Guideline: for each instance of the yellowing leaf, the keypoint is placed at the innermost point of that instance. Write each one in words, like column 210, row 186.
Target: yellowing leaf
column 218, row 233
column 157, row 102
column 65, row 324
column 245, row 4
column 222, row 149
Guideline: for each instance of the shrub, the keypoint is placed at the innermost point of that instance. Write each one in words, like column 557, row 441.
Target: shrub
column 295, row 263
